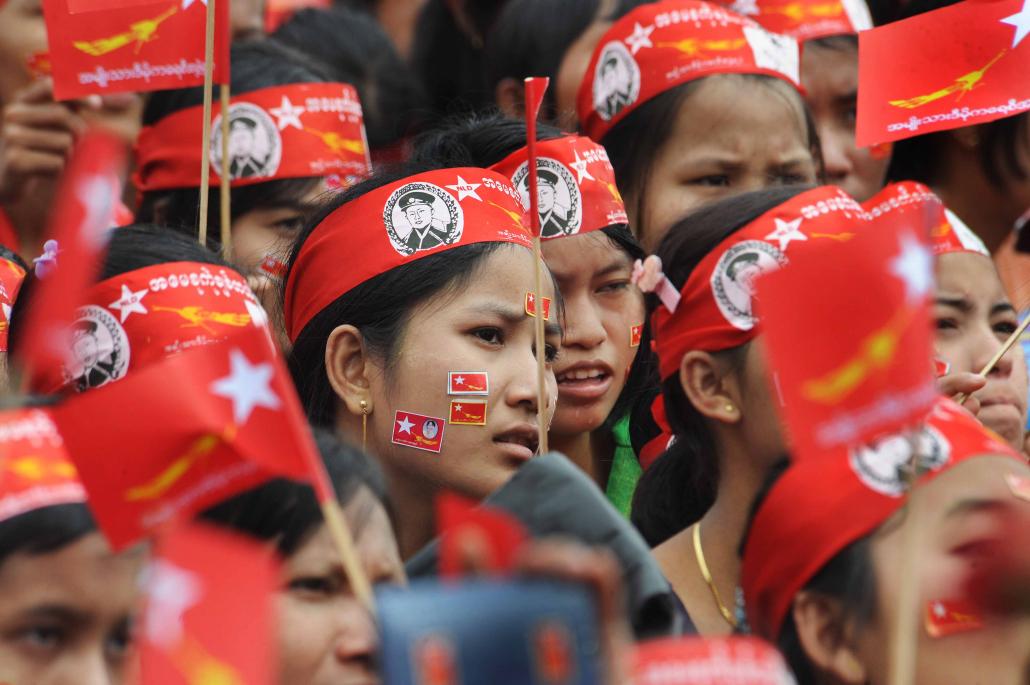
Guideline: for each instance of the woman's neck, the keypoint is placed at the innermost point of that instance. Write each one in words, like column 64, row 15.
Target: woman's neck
column 592, row 451
column 415, row 517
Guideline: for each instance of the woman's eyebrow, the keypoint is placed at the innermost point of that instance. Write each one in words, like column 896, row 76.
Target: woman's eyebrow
column 960, row 303
column 1003, row 308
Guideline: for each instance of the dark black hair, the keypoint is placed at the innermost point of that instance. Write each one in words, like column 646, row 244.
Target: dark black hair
column 45, row 530
column 286, row 511
column 379, row 307
column 848, row 578
column 680, row 485
column 355, row 50
column 12, row 256
column 919, row 158
column 635, row 142
column 255, row 65
column 131, row 247
column 531, row 37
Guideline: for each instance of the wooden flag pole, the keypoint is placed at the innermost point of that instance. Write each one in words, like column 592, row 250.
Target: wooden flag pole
column 225, row 187
column 344, row 542
column 205, row 143
column 1013, row 339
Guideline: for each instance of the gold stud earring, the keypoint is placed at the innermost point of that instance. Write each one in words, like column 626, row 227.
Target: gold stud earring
column 729, row 407
column 364, row 424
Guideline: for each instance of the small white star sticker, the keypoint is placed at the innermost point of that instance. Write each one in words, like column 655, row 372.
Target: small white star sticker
column 939, row 610
column 460, row 380
column 458, row 407
column 746, row 7
column 786, row 231
column 405, row 425
column 170, row 591
column 465, row 189
column 1021, row 20
column 580, row 167
column 640, row 38
column 130, row 302
column 247, row 386
column 914, row 266
column 287, row 115
column 530, row 297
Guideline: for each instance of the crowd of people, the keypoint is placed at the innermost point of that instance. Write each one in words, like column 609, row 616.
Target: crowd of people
column 422, row 285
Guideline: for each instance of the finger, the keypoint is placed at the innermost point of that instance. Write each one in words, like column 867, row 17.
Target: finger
column 52, row 115
column 29, row 162
column 962, row 382
column 40, row 90
column 972, row 405
column 40, row 140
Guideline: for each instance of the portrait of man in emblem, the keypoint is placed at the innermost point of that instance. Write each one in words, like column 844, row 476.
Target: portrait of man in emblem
column 554, row 216
column 92, row 352
column 616, row 85
column 426, row 229
column 249, row 151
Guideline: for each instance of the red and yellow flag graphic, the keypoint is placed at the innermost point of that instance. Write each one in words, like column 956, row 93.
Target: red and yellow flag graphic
column 468, row 412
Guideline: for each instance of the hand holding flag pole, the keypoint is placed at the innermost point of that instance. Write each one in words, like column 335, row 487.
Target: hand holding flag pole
column 536, row 86
column 205, row 143
column 989, row 366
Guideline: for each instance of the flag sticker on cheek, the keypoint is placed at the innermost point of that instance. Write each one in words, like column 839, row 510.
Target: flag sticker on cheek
column 948, row 617
column 468, row 412
column 418, row 431
column 531, row 306
column 468, row 383
column 635, row 334
column 941, row 367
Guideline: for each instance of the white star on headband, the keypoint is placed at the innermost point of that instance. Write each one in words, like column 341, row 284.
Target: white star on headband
column 1021, row 20
column 130, row 302
column 464, row 189
column 580, row 167
column 640, row 38
column 786, row 231
column 287, row 115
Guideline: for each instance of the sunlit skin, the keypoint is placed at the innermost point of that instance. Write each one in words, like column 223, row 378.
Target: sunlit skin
column 974, row 317
column 326, row 636
column 600, row 307
column 830, row 78
column 66, row 616
column 732, row 134
column 269, row 230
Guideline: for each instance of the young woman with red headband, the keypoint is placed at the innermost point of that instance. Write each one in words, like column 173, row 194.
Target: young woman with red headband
column 606, row 369
column 822, row 563
column 694, row 102
column 408, row 302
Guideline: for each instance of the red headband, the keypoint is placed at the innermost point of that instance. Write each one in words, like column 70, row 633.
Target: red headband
column 821, row 505
column 396, row 224
column 35, row 471
column 714, row 311
column 11, row 278
column 807, row 19
column 584, row 196
column 295, row 131
column 952, row 235
column 661, row 45
column 141, row 316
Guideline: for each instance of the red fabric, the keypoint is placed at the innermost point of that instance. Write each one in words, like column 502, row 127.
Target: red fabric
column 822, row 505
column 35, row 471
column 661, row 45
column 735, row 660
column 200, row 427
column 715, row 310
column 459, row 521
column 131, row 320
column 85, row 205
column 585, row 197
column 11, row 278
column 210, row 610
column 964, row 65
column 373, row 234
column 950, row 234
column 295, row 131
column 277, row 12
column 535, row 87
column 807, row 19
column 847, row 329
column 132, row 46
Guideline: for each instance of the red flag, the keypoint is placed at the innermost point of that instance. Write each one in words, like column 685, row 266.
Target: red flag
column 531, row 306
column 536, row 86
column 187, row 432
column 847, row 329
column 468, row 383
column 11, row 278
column 709, row 661
column 963, row 65
column 500, row 535
column 88, row 196
column 467, row 412
column 947, row 617
column 110, row 46
column 209, row 611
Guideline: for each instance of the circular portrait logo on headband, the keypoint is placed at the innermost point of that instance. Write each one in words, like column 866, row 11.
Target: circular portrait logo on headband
column 255, row 147
column 884, row 465
column 616, row 80
column 421, row 216
column 733, row 282
column 558, row 199
column 99, row 350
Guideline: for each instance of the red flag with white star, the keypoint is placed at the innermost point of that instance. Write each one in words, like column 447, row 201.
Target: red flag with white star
column 89, row 193
column 846, row 326
column 964, row 64
column 188, row 431
column 112, row 46
column 209, row 609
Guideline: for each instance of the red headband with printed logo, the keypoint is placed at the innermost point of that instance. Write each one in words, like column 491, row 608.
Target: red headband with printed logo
column 821, row 505
column 950, row 234
column 11, row 278
column 396, row 224
column 35, row 471
column 715, row 307
column 577, row 186
column 141, row 316
column 807, row 19
column 664, row 44
column 295, row 131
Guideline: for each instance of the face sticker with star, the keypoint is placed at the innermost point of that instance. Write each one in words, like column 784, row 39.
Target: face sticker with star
column 468, row 383
column 418, row 431
column 467, row 412
column 944, row 617
column 635, row 334
column 531, row 306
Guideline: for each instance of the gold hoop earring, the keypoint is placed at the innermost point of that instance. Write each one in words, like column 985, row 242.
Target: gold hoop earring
column 364, row 424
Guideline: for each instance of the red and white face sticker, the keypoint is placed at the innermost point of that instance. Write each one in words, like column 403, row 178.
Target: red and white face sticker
column 531, row 306
column 635, row 334
column 468, row 412
column 418, row 431
column 946, row 617
column 468, row 383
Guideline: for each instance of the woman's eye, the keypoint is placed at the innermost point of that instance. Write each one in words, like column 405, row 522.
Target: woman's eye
column 849, row 116
column 1006, row 328
column 42, row 637
column 290, row 224
column 946, row 324
column 119, row 641
column 322, row 585
column 489, row 335
column 711, row 181
column 550, row 353
column 614, row 286
column 788, row 179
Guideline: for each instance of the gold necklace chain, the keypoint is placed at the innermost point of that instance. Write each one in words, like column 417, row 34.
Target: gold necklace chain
column 707, row 575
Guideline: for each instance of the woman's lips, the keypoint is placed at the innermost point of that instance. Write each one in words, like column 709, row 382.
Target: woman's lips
column 585, row 382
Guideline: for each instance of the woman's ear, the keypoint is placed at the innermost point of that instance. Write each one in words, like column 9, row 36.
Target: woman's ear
column 509, row 97
column 346, row 365
column 823, row 631
column 703, row 380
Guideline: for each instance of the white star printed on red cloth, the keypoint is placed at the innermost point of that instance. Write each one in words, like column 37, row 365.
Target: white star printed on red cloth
column 247, row 385
column 465, row 189
column 287, row 115
column 640, row 38
column 580, row 167
column 787, row 231
column 130, row 302
column 171, row 591
column 1020, row 20
column 405, row 425
column 914, row 267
